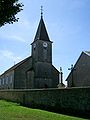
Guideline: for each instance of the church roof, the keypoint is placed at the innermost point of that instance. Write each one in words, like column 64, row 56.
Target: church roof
column 41, row 33
column 17, row 65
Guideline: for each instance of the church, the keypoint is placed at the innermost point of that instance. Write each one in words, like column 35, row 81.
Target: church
column 36, row 71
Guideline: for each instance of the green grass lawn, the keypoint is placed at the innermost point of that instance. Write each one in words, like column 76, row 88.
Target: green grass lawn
column 12, row 111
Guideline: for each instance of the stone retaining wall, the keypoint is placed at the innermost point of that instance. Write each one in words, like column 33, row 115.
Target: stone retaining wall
column 77, row 99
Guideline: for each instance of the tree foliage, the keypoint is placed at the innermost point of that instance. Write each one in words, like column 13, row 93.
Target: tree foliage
column 8, row 10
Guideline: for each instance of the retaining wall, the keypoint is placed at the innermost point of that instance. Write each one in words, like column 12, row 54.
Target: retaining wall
column 77, row 99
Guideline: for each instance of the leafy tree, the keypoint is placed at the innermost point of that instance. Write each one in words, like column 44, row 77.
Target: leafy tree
column 8, row 10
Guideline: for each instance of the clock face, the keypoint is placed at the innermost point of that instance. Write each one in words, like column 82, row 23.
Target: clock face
column 34, row 45
column 45, row 44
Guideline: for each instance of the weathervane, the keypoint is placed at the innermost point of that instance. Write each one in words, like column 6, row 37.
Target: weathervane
column 41, row 11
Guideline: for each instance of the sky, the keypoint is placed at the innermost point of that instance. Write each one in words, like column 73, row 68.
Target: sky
column 68, row 26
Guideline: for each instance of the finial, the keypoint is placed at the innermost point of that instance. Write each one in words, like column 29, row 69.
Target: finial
column 41, row 11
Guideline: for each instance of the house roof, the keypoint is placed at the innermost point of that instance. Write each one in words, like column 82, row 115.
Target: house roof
column 17, row 65
column 83, row 52
column 87, row 52
column 41, row 33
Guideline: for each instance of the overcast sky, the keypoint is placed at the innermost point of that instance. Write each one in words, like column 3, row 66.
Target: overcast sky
column 68, row 26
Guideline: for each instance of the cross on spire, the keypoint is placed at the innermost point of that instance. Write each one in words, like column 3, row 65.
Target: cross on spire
column 41, row 33
column 41, row 11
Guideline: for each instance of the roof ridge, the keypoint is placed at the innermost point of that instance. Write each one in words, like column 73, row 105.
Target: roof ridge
column 16, row 65
column 87, row 52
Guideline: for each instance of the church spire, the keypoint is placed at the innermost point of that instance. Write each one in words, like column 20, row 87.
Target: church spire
column 41, row 33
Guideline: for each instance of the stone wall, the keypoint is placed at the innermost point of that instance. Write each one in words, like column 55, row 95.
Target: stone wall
column 77, row 99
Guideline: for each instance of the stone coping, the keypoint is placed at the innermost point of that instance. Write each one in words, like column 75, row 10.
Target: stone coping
column 44, row 89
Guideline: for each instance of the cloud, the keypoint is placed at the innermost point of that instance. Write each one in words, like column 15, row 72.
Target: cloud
column 9, row 55
column 19, row 32
column 15, row 38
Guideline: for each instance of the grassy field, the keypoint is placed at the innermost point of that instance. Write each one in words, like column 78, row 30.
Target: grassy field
column 12, row 111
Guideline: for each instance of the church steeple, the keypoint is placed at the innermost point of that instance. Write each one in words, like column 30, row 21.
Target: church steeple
column 41, row 33
column 42, row 46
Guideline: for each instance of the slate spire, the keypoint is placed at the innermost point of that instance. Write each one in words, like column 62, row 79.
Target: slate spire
column 41, row 33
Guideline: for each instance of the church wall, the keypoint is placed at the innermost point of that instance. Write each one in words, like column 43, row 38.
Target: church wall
column 20, row 74
column 43, row 83
column 43, row 75
column 55, row 77
column 30, row 79
column 7, row 80
column 43, row 70
column 81, row 74
column 67, row 99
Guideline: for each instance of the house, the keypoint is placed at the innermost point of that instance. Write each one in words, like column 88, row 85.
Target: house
column 80, row 73
column 36, row 71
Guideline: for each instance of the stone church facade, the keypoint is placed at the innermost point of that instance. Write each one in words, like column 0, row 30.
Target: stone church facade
column 80, row 74
column 35, row 71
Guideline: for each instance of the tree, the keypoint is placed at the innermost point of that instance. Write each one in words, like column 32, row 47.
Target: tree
column 8, row 10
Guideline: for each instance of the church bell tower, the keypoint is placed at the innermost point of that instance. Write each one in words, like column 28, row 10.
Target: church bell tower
column 42, row 57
